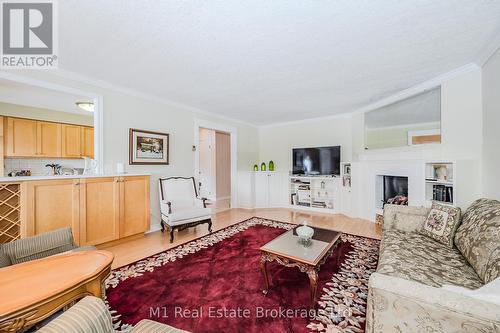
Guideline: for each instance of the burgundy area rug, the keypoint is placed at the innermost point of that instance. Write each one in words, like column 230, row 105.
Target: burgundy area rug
column 214, row 284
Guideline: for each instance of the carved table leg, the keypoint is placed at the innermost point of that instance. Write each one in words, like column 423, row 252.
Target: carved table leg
column 313, row 285
column 263, row 268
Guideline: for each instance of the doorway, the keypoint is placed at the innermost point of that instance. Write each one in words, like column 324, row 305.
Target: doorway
column 214, row 175
column 223, row 166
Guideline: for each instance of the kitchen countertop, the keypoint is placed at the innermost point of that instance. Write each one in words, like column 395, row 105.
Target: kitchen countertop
column 31, row 178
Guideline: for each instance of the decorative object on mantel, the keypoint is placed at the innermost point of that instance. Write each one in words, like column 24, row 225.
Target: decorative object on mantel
column 255, row 167
column 263, row 167
column 271, row 166
column 146, row 147
column 441, row 172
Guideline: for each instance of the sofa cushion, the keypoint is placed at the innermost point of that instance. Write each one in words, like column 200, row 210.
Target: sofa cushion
column 390, row 212
column 409, row 222
column 416, row 257
column 188, row 214
column 442, row 223
column 478, row 238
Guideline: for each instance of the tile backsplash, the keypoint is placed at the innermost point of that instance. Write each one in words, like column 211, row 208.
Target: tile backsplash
column 37, row 166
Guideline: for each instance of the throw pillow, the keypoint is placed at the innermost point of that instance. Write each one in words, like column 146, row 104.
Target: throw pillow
column 409, row 222
column 441, row 223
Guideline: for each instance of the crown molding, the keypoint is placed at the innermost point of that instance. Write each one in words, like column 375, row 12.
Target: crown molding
column 139, row 94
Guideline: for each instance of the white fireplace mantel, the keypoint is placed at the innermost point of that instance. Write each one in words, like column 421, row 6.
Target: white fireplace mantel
column 369, row 171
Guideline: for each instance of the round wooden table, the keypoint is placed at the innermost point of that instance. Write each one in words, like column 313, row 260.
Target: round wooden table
column 34, row 290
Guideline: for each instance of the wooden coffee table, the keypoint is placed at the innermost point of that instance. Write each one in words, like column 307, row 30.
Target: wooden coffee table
column 34, row 290
column 288, row 251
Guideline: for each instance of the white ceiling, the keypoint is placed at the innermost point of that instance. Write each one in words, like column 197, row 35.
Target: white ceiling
column 28, row 95
column 265, row 61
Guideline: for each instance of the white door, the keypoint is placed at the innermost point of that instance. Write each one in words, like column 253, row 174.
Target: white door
column 261, row 190
column 207, row 163
column 277, row 196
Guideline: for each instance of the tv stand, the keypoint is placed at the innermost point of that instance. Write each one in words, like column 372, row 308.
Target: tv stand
column 316, row 193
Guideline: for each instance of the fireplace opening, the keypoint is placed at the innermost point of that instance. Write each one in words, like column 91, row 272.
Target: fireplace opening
column 395, row 189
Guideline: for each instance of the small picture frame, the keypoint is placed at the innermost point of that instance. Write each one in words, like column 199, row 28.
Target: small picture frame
column 148, row 148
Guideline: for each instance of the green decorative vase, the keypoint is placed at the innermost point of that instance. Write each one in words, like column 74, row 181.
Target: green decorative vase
column 271, row 166
column 255, row 167
column 263, row 167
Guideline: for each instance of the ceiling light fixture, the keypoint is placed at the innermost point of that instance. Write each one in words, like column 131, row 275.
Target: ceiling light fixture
column 87, row 106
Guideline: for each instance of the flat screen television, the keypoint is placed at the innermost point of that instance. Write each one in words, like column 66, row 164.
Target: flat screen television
column 318, row 161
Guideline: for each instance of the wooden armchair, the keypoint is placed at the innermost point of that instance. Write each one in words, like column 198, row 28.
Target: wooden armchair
column 180, row 205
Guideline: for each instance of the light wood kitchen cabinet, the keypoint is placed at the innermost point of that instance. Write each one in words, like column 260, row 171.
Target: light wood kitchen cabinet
column 88, row 141
column 53, row 204
column 71, row 140
column 48, row 139
column 38, row 139
column 134, row 205
column 99, row 210
column 20, row 137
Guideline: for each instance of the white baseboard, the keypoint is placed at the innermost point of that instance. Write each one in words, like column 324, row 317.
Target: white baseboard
column 153, row 228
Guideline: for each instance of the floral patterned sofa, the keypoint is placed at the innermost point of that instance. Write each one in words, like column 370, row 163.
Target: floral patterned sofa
column 418, row 283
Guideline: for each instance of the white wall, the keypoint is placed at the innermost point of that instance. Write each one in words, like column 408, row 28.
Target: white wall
column 276, row 142
column 491, row 135
column 123, row 111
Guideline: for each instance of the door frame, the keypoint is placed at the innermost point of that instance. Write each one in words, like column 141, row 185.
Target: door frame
column 233, row 133
column 98, row 108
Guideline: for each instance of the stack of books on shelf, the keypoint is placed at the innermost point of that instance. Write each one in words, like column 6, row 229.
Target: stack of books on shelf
column 318, row 204
column 442, row 193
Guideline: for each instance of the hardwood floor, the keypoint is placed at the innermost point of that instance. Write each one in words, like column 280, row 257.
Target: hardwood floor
column 155, row 242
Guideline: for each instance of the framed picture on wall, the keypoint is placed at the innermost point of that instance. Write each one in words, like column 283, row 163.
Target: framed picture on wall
column 148, row 147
